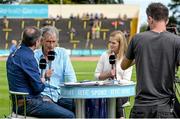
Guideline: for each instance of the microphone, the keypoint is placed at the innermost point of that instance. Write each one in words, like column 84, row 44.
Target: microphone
column 51, row 57
column 112, row 61
column 42, row 65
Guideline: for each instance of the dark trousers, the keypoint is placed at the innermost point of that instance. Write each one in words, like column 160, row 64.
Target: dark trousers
column 97, row 108
column 119, row 108
column 156, row 111
column 177, row 108
column 37, row 107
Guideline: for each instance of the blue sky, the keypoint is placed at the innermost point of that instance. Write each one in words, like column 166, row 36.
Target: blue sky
column 143, row 4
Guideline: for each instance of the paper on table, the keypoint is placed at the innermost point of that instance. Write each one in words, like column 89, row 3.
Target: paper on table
column 87, row 83
column 96, row 83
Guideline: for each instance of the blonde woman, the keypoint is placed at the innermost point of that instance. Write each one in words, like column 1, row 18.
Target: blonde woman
column 118, row 46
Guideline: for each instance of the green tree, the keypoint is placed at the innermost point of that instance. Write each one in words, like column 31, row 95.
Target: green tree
column 175, row 7
column 143, row 27
column 175, row 18
column 6, row 1
column 98, row 1
column 51, row 1
column 77, row 1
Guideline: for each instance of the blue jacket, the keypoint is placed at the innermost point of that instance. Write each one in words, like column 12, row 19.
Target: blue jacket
column 23, row 73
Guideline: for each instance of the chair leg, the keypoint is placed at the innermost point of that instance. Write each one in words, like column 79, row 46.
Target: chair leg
column 24, row 106
column 16, row 105
column 10, row 105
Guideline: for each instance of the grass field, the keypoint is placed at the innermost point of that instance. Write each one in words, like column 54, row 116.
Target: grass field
column 84, row 71
column 4, row 96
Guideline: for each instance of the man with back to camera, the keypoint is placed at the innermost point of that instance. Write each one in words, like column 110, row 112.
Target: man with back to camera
column 58, row 71
column 156, row 53
column 23, row 76
column 21, row 70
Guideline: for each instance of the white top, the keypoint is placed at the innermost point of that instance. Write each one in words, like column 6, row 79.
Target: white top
column 104, row 66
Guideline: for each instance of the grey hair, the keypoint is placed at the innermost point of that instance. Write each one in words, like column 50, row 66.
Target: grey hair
column 51, row 31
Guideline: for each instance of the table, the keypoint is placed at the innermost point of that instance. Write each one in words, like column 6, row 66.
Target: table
column 82, row 92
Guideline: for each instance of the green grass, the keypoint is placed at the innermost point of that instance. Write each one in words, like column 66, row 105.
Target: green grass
column 84, row 71
column 4, row 96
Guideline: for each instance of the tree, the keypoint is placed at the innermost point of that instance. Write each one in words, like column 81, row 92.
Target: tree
column 175, row 18
column 51, row 1
column 143, row 27
column 77, row 1
column 7, row 1
column 98, row 1
column 174, row 6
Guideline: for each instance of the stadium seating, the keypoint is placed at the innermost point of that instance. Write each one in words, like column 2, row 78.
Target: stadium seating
column 74, row 33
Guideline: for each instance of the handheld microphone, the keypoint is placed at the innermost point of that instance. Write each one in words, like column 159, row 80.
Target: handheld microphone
column 42, row 65
column 51, row 57
column 112, row 61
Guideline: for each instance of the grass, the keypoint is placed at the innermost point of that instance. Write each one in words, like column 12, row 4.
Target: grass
column 84, row 71
column 4, row 96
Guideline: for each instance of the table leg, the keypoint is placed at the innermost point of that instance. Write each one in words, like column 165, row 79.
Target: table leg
column 112, row 108
column 80, row 108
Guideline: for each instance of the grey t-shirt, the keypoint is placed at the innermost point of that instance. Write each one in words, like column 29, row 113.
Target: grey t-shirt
column 155, row 56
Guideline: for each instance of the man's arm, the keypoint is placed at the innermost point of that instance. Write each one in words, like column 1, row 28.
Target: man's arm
column 126, row 63
column 30, row 67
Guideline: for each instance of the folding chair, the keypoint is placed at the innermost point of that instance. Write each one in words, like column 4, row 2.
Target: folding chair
column 15, row 94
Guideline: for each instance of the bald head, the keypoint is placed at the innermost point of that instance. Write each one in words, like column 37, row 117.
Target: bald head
column 30, row 36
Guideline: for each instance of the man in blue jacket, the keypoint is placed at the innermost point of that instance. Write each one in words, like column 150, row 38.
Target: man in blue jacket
column 23, row 76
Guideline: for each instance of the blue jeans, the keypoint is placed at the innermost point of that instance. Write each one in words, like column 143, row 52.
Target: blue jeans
column 67, row 103
column 37, row 107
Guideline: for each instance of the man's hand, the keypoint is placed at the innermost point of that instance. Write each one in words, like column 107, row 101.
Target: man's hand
column 48, row 73
column 112, row 73
column 43, row 80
